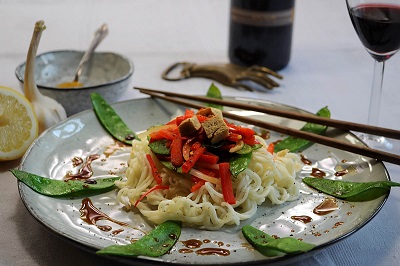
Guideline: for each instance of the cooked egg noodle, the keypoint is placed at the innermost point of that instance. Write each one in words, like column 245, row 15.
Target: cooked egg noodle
column 269, row 176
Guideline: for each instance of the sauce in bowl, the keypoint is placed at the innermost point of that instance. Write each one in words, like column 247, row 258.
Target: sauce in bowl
column 70, row 84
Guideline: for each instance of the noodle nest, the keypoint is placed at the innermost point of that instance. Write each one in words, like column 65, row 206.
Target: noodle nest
column 269, row 176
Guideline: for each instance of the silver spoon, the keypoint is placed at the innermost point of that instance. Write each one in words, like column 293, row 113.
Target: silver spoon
column 100, row 34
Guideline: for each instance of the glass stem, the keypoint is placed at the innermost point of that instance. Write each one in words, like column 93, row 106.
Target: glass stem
column 376, row 92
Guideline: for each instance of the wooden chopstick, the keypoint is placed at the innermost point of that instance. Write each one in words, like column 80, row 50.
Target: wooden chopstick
column 379, row 131
column 361, row 150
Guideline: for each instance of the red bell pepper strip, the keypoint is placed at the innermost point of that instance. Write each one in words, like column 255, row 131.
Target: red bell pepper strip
column 168, row 143
column 149, row 191
column 201, row 118
column 186, row 148
column 189, row 113
column 244, row 131
column 173, row 122
column 157, row 135
column 178, row 120
column 189, row 146
column 226, row 183
column 154, row 136
column 197, row 186
column 195, row 146
column 168, row 134
column 198, row 182
column 271, row 147
column 208, row 158
column 250, row 140
column 234, row 137
column 192, row 160
column 176, row 152
column 154, row 169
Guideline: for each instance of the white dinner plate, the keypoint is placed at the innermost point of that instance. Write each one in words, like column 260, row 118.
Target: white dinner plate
column 81, row 135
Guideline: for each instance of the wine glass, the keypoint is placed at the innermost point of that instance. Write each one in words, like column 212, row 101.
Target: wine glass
column 377, row 24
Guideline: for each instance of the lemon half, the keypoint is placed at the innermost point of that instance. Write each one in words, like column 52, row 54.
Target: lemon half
column 18, row 124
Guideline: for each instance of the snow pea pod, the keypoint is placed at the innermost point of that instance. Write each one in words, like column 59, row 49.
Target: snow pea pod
column 239, row 162
column 160, row 147
column 294, row 144
column 241, row 159
column 110, row 120
column 155, row 244
column 214, row 92
column 270, row 246
column 70, row 188
column 351, row 191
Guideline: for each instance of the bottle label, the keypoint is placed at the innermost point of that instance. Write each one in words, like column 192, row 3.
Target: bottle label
column 262, row 18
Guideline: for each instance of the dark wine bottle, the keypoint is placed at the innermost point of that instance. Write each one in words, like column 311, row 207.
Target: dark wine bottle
column 260, row 32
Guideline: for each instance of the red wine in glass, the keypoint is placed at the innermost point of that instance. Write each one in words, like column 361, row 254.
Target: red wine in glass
column 377, row 24
column 378, row 27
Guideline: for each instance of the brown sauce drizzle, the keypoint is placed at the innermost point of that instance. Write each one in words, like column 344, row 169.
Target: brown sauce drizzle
column 315, row 172
column 117, row 231
column 213, row 251
column 186, row 250
column 77, row 161
column 276, row 142
column 337, row 225
column 305, row 160
column 302, row 218
column 265, row 134
column 85, row 171
column 327, row 206
column 317, row 234
column 192, row 243
column 91, row 215
column 111, row 149
column 342, row 173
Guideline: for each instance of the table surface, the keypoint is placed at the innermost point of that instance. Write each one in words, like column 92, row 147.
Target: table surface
column 328, row 67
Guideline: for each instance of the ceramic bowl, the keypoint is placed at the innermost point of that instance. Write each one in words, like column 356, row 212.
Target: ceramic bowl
column 107, row 73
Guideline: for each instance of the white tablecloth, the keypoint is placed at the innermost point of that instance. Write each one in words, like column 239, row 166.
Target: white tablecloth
column 329, row 67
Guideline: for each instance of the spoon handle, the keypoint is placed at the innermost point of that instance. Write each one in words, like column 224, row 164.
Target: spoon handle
column 100, row 34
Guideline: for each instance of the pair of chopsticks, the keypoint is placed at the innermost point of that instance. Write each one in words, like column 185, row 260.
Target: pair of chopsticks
column 361, row 150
